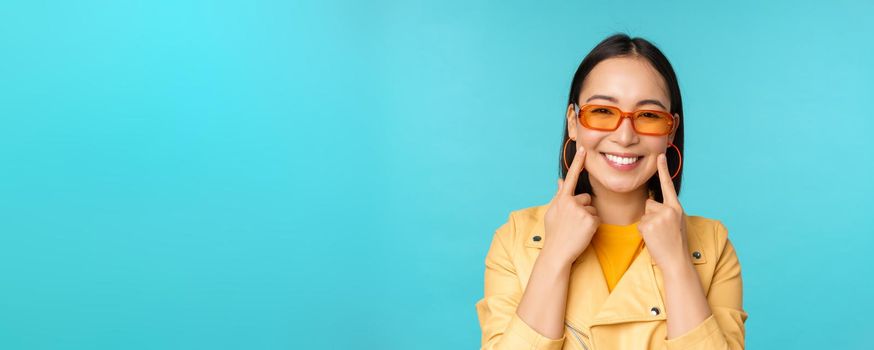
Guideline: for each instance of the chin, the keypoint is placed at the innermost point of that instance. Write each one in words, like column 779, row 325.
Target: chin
column 620, row 185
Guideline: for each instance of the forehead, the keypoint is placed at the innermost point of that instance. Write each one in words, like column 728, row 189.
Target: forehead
column 628, row 79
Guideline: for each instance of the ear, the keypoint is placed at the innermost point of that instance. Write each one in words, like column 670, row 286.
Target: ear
column 571, row 122
column 676, row 126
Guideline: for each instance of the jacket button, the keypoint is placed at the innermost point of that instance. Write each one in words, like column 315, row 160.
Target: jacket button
column 654, row 311
column 696, row 254
column 536, row 238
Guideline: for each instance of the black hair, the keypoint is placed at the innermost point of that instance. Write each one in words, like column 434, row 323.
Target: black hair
column 621, row 45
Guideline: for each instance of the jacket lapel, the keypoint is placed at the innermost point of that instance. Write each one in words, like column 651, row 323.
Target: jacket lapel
column 587, row 289
column 634, row 297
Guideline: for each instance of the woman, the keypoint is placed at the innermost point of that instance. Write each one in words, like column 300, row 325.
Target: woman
column 612, row 261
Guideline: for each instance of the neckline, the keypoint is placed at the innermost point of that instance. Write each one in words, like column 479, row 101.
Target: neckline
column 611, row 230
column 613, row 226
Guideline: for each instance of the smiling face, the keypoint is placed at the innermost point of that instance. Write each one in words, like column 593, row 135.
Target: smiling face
column 621, row 160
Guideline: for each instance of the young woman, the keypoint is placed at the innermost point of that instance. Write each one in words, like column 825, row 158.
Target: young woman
column 612, row 261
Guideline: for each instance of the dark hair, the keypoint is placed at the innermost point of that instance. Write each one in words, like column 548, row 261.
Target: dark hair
column 619, row 45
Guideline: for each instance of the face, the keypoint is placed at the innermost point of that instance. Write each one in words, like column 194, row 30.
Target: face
column 621, row 160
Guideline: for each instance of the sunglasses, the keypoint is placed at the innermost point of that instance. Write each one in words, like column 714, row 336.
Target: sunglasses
column 608, row 118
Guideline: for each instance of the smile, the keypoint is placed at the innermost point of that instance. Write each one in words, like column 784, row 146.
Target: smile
column 622, row 161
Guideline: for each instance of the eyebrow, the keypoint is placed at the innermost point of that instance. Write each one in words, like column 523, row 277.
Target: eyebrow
column 639, row 103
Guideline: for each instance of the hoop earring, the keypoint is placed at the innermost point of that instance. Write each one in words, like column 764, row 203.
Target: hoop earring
column 680, row 156
column 563, row 152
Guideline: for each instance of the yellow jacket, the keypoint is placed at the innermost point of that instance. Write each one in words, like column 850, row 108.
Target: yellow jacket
column 633, row 316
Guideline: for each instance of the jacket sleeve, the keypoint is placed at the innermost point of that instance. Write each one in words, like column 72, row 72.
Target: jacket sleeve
column 501, row 327
column 724, row 329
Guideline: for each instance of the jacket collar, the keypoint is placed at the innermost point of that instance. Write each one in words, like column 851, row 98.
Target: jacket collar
column 537, row 236
column 632, row 299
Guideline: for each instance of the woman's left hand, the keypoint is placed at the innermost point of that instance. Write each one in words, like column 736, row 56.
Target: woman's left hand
column 662, row 225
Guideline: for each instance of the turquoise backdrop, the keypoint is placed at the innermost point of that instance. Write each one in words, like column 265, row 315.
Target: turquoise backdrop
column 329, row 174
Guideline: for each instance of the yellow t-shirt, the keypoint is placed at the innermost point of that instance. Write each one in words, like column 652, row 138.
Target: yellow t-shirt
column 616, row 247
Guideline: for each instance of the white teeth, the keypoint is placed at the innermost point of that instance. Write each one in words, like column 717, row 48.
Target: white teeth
column 621, row 160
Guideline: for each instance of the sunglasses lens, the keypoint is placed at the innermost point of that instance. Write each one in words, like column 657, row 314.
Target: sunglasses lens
column 603, row 118
column 653, row 123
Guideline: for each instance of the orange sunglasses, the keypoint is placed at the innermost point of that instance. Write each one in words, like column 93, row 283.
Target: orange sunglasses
column 608, row 118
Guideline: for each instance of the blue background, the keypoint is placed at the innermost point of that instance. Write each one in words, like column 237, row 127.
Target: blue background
column 287, row 175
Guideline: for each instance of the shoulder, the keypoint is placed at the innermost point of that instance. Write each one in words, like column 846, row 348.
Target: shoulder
column 707, row 234
column 526, row 218
column 521, row 224
column 706, row 228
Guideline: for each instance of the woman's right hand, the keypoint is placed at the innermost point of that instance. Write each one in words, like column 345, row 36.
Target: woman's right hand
column 570, row 221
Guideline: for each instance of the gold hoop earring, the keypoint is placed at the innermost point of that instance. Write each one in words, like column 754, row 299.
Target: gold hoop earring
column 564, row 152
column 679, row 156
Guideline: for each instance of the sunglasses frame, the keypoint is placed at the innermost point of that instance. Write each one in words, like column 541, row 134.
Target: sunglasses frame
column 629, row 115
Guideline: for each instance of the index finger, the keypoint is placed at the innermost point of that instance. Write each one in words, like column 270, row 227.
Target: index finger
column 573, row 173
column 669, row 193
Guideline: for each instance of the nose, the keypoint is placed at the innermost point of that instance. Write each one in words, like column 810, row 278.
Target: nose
column 625, row 134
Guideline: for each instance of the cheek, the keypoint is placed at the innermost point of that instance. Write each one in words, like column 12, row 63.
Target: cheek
column 589, row 139
column 651, row 166
column 654, row 147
